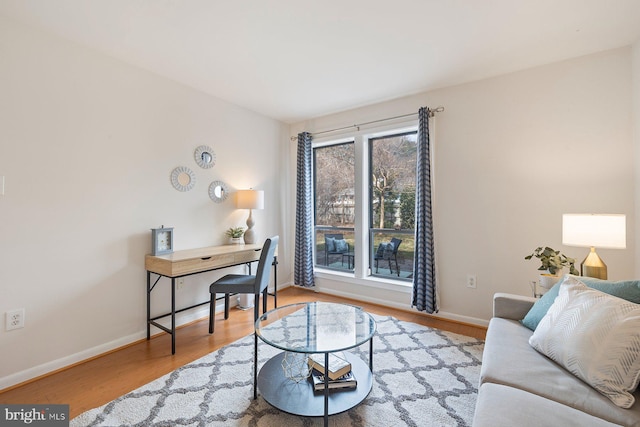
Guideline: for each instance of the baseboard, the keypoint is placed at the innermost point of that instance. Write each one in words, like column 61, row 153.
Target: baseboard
column 53, row 366
column 64, row 362
column 404, row 307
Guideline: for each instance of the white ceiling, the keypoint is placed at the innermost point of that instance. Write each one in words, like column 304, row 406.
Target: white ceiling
column 297, row 59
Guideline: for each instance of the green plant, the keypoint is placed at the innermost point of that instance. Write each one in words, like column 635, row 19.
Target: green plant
column 234, row 232
column 553, row 260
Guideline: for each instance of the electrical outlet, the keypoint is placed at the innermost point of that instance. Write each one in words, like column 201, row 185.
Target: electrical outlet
column 14, row 319
column 471, row 281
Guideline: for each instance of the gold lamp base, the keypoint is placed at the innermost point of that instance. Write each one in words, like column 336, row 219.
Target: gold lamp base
column 593, row 266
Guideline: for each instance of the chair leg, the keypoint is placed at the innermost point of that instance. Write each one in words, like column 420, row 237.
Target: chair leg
column 376, row 266
column 390, row 270
column 226, row 306
column 256, row 307
column 212, row 312
column 264, row 300
column 397, row 267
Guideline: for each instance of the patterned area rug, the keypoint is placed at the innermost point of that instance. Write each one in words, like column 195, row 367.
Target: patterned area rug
column 422, row 376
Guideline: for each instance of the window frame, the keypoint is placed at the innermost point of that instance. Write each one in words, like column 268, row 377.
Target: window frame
column 362, row 273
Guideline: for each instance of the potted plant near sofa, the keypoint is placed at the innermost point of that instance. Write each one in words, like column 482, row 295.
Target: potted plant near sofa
column 552, row 262
column 235, row 235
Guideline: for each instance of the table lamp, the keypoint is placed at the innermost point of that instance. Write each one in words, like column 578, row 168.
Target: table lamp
column 591, row 230
column 250, row 199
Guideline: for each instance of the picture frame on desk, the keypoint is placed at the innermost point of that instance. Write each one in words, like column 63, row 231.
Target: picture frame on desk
column 161, row 240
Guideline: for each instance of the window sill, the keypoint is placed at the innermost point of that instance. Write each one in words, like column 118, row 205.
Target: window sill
column 400, row 286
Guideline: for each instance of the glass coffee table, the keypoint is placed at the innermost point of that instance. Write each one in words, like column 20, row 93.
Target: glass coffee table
column 307, row 328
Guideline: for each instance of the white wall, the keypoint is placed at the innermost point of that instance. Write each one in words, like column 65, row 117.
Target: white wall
column 87, row 145
column 512, row 154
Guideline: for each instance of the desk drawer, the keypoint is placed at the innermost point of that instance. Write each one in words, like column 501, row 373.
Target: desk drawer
column 248, row 256
column 171, row 267
column 195, row 265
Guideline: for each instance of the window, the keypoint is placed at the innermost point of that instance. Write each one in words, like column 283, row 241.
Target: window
column 334, row 205
column 392, row 203
column 380, row 172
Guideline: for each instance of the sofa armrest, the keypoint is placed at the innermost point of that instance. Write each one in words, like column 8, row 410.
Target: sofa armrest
column 510, row 306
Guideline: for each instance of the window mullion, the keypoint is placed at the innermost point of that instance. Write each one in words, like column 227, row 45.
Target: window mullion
column 361, row 208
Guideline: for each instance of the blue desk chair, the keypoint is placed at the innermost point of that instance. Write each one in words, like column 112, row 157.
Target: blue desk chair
column 245, row 284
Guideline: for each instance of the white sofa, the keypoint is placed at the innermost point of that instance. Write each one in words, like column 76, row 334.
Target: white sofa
column 521, row 387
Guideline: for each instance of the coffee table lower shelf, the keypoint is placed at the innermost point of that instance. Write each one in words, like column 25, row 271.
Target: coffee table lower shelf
column 300, row 399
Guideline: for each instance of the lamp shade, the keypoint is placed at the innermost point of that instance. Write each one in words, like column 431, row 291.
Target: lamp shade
column 594, row 230
column 250, row 199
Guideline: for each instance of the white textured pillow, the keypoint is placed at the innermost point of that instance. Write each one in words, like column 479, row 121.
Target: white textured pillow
column 596, row 337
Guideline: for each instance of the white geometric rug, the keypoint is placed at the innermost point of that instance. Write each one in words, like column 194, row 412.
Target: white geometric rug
column 422, row 377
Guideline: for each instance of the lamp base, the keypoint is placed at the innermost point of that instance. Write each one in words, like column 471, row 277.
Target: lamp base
column 593, row 266
column 250, row 234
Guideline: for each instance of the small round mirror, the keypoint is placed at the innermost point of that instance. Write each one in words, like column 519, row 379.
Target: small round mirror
column 218, row 191
column 205, row 157
column 183, row 178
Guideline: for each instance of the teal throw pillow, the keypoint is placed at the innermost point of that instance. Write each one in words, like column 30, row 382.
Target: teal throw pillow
column 331, row 244
column 625, row 289
column 540, row 308
column 341, row 245
column 382, row 247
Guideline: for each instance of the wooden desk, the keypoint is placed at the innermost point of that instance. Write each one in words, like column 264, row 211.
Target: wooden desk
column 194, row 261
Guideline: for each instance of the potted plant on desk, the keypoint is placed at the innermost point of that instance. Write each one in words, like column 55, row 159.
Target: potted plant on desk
column 235, row 235
column 552, row 262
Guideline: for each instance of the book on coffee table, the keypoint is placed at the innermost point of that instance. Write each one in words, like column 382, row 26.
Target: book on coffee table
column 338, row 364
column 347, row 381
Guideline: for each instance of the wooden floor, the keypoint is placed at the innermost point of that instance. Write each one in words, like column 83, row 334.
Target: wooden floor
column 102, row 379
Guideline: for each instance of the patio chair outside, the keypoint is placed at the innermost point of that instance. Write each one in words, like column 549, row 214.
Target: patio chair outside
column 389, row 254
column 334, row 244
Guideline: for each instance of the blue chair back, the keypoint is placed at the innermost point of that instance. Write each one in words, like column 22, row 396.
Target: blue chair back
column 265, row 263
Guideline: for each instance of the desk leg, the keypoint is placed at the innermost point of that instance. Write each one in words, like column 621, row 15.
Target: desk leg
column 148, row 305
column 173, row 315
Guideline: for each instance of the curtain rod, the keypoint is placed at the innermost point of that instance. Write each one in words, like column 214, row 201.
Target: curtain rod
column 432, row 112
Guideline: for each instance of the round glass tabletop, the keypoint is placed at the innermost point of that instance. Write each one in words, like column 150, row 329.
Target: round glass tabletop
column 315, row 327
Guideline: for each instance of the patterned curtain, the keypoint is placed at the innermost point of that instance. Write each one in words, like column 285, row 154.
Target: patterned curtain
column 303, row 262
column 424, row 269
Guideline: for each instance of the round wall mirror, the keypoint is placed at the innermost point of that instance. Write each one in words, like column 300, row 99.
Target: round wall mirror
column 218, row 191
column 205, row 157
column 183, row 178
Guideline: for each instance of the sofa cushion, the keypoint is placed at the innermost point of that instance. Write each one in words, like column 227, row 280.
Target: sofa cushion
column 596, row 337
column 626, row 289
column 499, row 406
column 508, row 359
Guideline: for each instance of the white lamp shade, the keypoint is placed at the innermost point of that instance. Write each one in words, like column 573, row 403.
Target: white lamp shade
column 594, row 230
column 250, row 199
